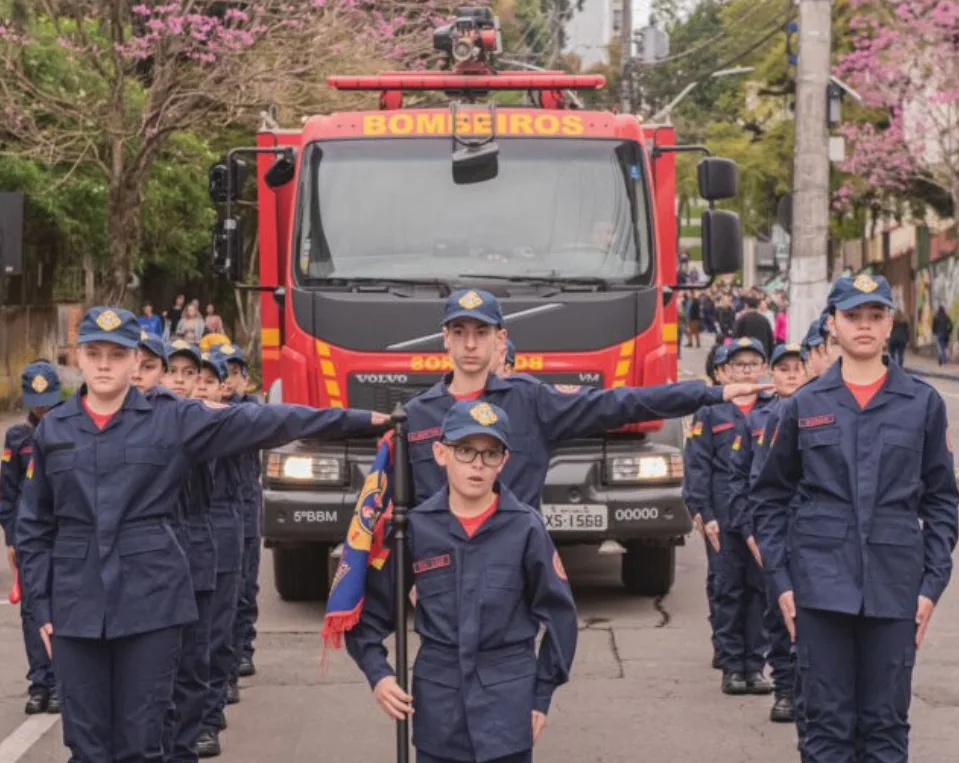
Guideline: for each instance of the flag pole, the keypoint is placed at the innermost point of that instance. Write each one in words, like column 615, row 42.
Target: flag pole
column 401, row 503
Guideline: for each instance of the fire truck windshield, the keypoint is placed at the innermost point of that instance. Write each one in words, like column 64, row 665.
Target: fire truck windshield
column 563, row 208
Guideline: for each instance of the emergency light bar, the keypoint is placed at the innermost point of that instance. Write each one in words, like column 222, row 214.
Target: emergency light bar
column 445, row 81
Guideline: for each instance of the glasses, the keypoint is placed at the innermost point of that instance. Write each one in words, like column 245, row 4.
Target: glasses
column 746, row 366
column 466, row 454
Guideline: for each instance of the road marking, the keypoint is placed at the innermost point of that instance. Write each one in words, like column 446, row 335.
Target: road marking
column 25, row 736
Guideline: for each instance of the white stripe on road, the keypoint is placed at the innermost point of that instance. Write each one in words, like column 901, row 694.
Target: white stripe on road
column 27, row 734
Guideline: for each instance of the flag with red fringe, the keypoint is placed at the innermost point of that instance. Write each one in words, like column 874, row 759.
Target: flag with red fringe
column 364, row 547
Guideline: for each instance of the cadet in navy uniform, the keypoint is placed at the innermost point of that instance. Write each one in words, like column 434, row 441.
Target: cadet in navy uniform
column 244, row 629
column 226, row 508
column 100, row 560
column 738, row 586
column 860, row 559
column 487, row 577
column 822, row 349
column 152, row 363
column 542, row 414
column 40, row 386
column 788, row 375
column 716, row 370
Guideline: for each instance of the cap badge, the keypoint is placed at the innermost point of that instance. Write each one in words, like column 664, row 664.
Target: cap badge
column 484, row 414
column 793, row 348
column 39, row 384
column 144, row 336
column 865, row 283
column 470, row 301
column 109, row 321
column 180, row 344
column 227, row 349
column 744, row 342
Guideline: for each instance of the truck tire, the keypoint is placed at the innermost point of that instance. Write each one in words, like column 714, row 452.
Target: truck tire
column 649, row 570
column 300, row 573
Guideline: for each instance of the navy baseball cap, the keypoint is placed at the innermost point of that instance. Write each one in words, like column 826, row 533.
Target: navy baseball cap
column 183, row 347
column 475, row 304
column 510, row 352
column 110, row 324
column 40, row 385
column 721, row 357
column 472, row 417
column 814, row 336
column 781, row 351
column 230, row 353
column 743, row 344
column 154, row 345
column 864, row 289
column 216, row 363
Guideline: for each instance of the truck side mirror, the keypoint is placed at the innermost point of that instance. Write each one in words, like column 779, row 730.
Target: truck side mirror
column 722, row 242
column 282, row 171
column 718, row 179
column 223, row 175
column 227, row 250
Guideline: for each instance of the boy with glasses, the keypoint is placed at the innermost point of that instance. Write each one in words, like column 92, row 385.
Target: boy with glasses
column 738, row 587
column 487, row 577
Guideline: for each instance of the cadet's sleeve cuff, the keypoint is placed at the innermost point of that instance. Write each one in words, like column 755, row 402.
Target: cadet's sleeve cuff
column 41, row 612
column 544, row 696
column 376, row 674
column 358, row 420
column 931, row 590
column 714, row 395
column 781, row 583
column 707, row 515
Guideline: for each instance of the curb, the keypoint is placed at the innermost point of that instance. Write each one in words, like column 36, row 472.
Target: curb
column 933, row 374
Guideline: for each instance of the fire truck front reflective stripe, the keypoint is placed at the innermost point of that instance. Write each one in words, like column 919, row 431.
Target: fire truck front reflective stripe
column 626, row 350
column 670, row 332
column 328, row 368
column 270, row 337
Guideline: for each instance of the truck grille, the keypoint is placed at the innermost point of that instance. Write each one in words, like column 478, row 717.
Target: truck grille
column 385, row 396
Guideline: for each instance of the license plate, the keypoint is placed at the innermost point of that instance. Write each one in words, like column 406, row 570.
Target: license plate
column 575, row 517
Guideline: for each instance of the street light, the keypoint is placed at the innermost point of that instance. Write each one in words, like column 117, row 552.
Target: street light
column 665, row 112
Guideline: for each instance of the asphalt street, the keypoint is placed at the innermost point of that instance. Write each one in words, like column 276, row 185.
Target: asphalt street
column 642, row 688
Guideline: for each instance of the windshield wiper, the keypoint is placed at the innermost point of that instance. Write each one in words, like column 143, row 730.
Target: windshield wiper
column 378, row 281
column 550, row 279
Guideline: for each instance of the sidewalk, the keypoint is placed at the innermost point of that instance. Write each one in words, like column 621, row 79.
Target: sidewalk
column 926, row 366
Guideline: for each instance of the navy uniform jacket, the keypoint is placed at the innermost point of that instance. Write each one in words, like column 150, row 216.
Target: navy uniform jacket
column 226, row 512
column 480, row 604
column 541, row 415
column 863, row 480
column 98, row 552
column 196, row 528
column 17, row 450
column 744, row 465
column 251, row 499
column 710, row 447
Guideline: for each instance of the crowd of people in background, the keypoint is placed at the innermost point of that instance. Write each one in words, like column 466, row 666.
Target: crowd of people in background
column 732, row 312
column 183, row 320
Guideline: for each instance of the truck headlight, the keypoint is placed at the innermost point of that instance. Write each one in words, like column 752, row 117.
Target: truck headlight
column 288, row 467
column 644, row 469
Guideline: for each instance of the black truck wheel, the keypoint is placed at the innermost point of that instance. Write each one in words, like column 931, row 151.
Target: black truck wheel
column 649, row 570
column 301, row 573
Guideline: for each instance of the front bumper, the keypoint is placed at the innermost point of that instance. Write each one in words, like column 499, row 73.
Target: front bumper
column 634, row 513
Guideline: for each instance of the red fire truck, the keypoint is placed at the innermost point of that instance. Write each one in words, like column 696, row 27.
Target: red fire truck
column 368, row 220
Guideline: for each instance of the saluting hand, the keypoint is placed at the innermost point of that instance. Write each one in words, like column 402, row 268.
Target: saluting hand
column 381, row 419
column 395, row 702
column 923, row 616
column 787, row 605
column 741, row 389
column 539, row 723
column 46, row 636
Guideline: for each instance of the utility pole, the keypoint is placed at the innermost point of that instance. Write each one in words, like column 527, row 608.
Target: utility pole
column 808, row 277
column 626, row 37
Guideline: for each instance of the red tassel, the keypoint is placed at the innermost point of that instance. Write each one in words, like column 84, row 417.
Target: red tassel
column 335, row 625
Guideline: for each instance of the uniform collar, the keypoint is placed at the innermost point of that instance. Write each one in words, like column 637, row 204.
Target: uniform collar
column 72, row 406
column 898, row 382
column 441, row 501
column 493, row 384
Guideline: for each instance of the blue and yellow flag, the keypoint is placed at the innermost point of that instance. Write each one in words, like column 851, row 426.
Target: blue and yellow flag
column 364, row 547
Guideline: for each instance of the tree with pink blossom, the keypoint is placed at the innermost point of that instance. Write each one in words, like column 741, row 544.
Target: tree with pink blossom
column 904, row 61
column 103, row 85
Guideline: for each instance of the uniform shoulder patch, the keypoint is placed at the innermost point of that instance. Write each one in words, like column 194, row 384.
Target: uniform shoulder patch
column 558, row 566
